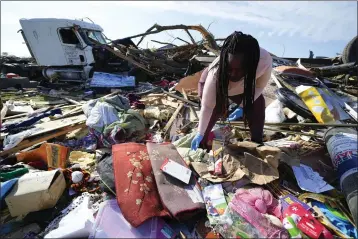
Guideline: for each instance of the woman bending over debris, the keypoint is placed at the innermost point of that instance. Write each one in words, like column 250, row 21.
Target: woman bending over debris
column 240, row 73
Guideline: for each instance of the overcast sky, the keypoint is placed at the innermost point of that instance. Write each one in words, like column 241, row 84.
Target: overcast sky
column 283, row 28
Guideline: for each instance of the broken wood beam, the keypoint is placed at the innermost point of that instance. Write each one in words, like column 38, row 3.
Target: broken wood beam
column 72, row 101
column 171, row 120
column 282, row 131
column 29, row 143
column 130, row 60
column 292, row 124
column 190, row 107
column 180, row 98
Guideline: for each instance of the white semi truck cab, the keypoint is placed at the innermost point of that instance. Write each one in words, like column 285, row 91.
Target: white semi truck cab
column 62, row 46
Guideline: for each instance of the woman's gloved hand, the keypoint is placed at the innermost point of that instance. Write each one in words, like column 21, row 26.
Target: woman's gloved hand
column 239, row 112
column 196, row 141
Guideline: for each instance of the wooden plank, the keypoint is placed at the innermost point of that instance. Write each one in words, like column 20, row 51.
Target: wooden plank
column 190, row 107
column 130, row 60
column 293, row 124
column 72, row 101
column 171, row 120
column 181, row 99
column 74, row 111
column 40, row 139
column 55, row 124
column 281, row 131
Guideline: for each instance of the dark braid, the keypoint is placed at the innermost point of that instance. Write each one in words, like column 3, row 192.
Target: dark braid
column 238, row 43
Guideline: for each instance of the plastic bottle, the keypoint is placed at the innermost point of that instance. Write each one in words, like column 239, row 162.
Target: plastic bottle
column 342, row 147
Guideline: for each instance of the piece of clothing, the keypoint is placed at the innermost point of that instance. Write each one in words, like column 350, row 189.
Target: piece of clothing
column 12, row 140
column 87, row 143
column 5, row 176
column 33, row 120
column 131, row 126
column 183, row 147
column 207, row 87
column 103, row 112
column 256, row 120
column 183, row 201
column 137, row 193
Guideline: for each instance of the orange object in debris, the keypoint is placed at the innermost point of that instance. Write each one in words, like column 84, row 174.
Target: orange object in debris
column 212, row 235
column 54, row 155
column 11, row 75
column 294, row 70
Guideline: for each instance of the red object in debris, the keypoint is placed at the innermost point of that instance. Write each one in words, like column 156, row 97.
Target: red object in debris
column 11, row 75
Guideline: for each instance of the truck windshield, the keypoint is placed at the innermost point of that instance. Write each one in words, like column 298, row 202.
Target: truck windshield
column 95, row 35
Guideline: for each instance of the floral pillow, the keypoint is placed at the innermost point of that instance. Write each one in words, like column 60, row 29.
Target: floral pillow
column 137, row 193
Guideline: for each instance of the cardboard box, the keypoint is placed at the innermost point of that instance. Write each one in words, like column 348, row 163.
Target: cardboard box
column 35, row 191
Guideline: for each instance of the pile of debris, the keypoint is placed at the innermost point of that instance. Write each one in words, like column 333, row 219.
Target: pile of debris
column 120, row 159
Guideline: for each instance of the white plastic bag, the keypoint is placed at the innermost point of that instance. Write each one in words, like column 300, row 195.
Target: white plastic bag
column 274, row 113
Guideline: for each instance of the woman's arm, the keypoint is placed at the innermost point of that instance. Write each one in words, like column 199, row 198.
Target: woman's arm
column 208, row 102
column 261, row 82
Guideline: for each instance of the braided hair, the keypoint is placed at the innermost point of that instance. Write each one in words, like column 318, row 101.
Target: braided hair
column 238, row 43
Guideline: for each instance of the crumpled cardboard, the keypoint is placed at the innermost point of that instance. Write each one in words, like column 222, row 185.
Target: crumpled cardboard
column 35, row 191
column 259, row 171
column 259, row 164
column 231, row 170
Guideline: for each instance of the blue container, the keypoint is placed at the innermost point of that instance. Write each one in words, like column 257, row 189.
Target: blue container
column 342, row 144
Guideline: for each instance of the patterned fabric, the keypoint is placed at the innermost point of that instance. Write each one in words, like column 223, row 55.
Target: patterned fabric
column 137, row 193
column 87, row 143
column 182, row 201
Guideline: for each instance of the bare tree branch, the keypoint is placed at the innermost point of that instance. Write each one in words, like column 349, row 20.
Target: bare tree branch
column 164, row 43
column 191, row 37
column 211, row 44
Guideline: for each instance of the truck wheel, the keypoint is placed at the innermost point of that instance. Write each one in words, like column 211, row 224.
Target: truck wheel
column 350, row 51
